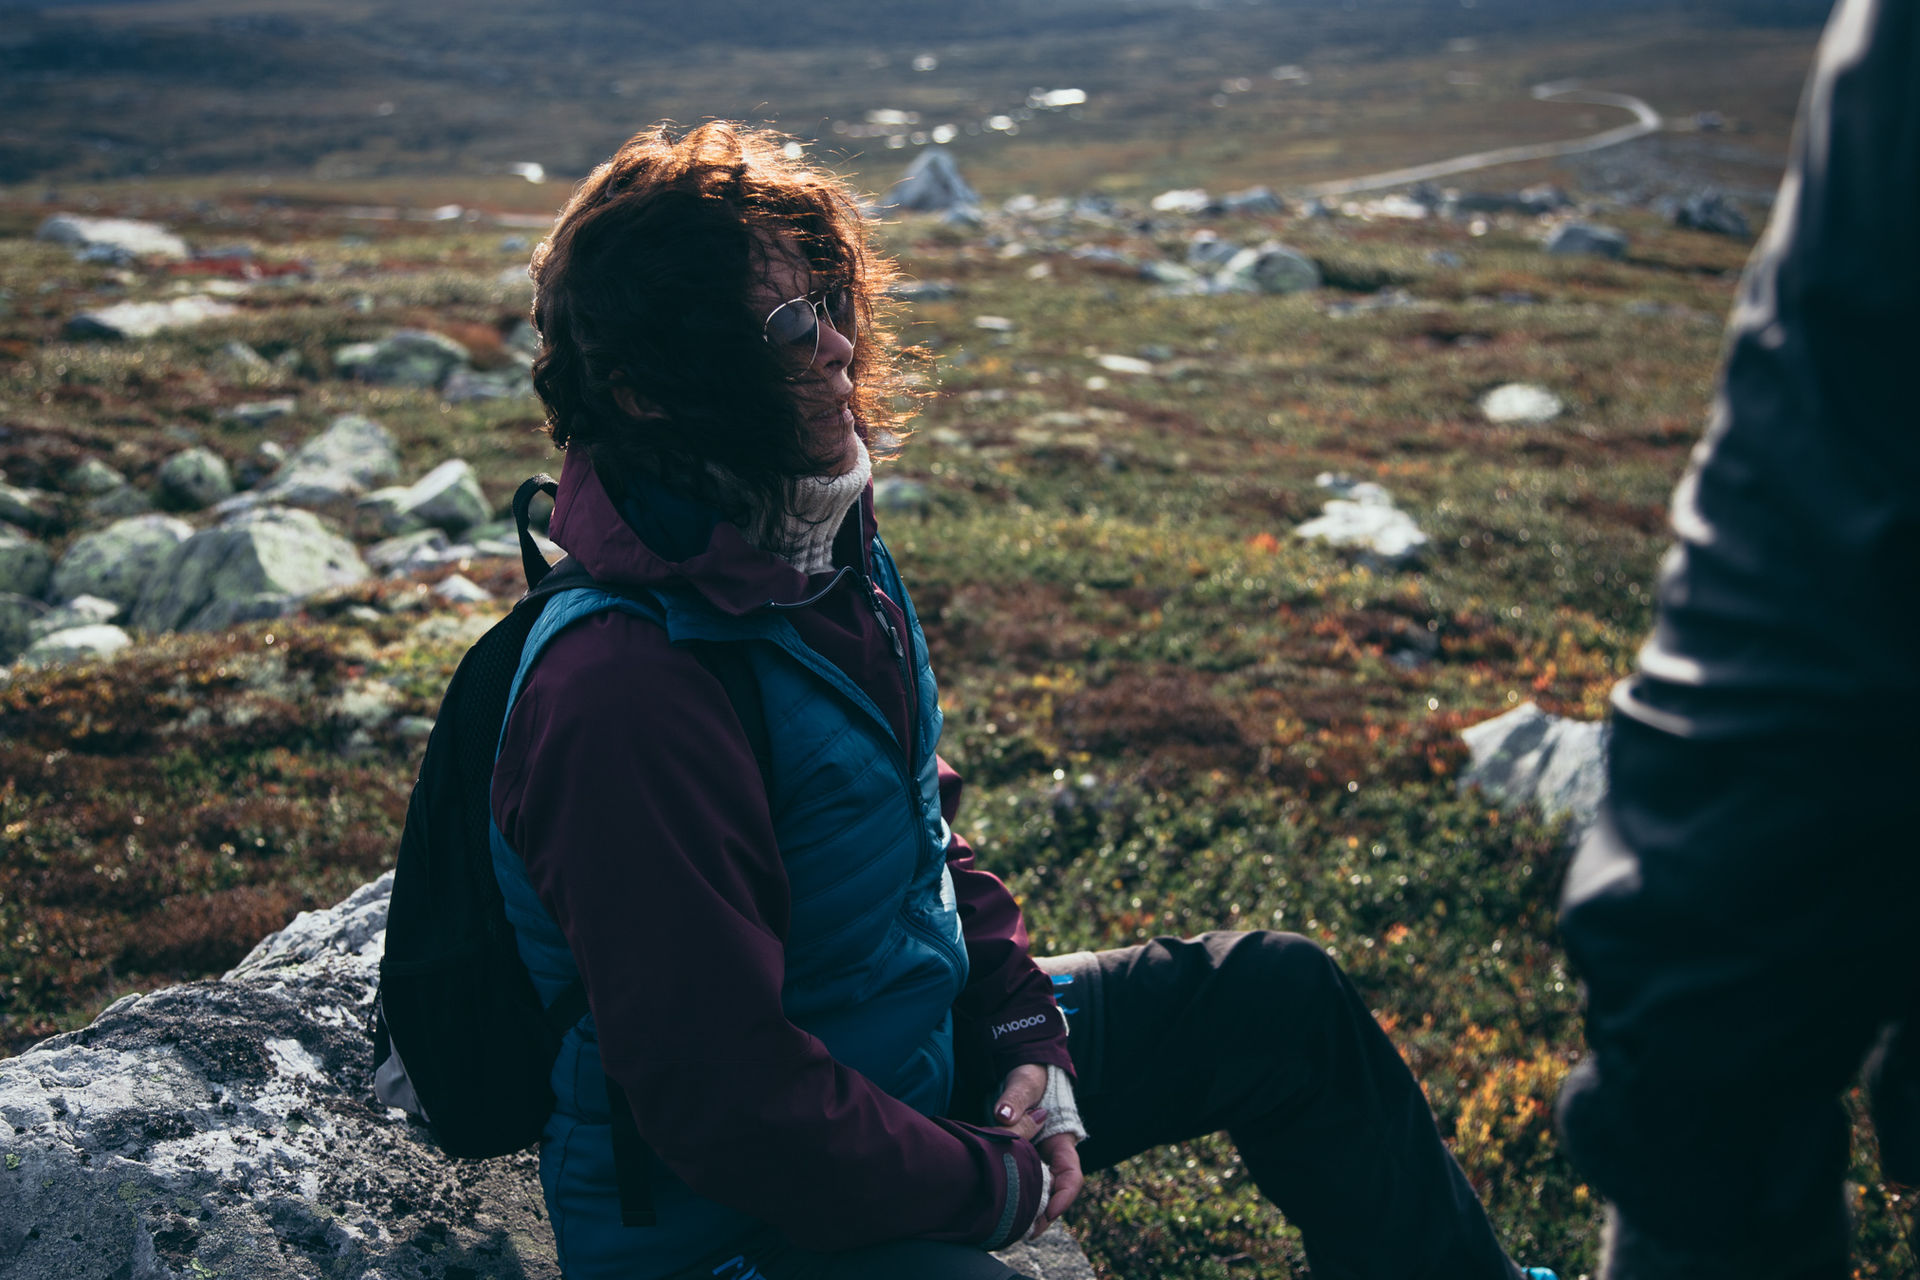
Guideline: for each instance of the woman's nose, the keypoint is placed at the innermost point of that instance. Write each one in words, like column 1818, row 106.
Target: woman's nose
column 835, row 350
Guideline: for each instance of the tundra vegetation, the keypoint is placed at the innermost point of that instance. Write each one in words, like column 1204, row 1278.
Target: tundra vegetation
column 1173, row 714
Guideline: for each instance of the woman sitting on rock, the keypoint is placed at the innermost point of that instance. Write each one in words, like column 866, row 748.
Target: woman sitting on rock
column 720, row 807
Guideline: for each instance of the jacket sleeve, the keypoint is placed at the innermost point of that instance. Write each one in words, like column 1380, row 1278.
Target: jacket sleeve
column 630, row 790
column 1007, row 1008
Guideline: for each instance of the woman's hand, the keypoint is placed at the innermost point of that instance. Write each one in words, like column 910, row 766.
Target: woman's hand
column 1016, row 1109
column 1061, row 1152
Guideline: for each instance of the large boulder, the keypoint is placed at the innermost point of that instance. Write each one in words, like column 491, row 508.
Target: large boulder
column 1529, row 757
column 932, row 183
column 145, row 319
column 1711, row 211
column 120, row 561
column 229, row 1128
column 354, row 454
column 405, row 358
column 260, row 564
column 25, row 565
column 447, row 497
column 112, row 237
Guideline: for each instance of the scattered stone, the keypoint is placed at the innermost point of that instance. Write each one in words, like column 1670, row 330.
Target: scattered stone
column 1268, row 268
column 354, row 454
column 1190, row 200
column 1253, row 200
column 19, row 615
column 1366, row 521
column 901, row 496
column 457, row 589
column 93, row 478
column 412, row 728
column 923, row 290
column 408, row 553
column 365, row 703
column 1521, row 402
column 195, row 478
column 994, row 324
column 1446, row 259
column 932, row 183
column 260, row 412
column 81, row 611
column 121, row 238
column 463, row 385
column 1586, row 238
column 405, row 358
column 1529, row 757
column 1711, row 211
column 25, row 565
column 260, row 564
column 28, row 508
column 1170, row 275
column 447, row 497
column 120, row 561
column 1543, row 197
column 118, row 504
column 241, row 358
column 145, row 319
column 75, row 645
column 1125, row 364
column 1208, row 252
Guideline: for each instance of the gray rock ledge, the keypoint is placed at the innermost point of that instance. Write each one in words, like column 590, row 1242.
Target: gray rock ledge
column 228, row 1129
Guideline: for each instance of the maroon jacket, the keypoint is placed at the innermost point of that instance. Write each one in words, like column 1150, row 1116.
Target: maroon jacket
column 680, row 943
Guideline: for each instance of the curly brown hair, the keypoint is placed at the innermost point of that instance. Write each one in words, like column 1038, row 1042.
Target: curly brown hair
column 642, row 286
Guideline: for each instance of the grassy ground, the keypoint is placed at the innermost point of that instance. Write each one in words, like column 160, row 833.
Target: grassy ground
column 1172, row 715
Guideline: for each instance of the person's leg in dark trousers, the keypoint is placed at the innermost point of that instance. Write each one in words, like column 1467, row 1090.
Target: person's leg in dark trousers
column 1261, row 1035
column 1742, row 919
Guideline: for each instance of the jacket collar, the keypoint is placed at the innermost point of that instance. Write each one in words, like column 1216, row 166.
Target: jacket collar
column 660, row 539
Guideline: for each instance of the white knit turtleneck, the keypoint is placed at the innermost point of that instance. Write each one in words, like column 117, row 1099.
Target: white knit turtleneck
column 820, row 504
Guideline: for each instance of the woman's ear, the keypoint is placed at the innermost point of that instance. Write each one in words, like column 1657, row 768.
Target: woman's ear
column 633, row 404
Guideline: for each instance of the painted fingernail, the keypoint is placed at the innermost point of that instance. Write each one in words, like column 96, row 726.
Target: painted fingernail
column 1006, row 1111
column 1039, row 1114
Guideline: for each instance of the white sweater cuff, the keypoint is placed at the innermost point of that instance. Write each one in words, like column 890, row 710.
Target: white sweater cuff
column 1063, row 1113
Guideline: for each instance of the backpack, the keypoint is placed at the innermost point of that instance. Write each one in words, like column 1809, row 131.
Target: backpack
column 461, row 1040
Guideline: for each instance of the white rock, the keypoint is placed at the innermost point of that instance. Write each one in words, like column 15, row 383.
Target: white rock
column 1182, row 200
column 1521, row 402
column 81, row 611
column 145, row 319
column 260, row 412
column 994, row 324
column 405, row 358
column 1367, row 521
column 121, row 235
column 1124, row 364
column 1529, row 757
column 118, row 562
column 447, row 497
column 76, row 644
column 456, row 589
column 28, row 508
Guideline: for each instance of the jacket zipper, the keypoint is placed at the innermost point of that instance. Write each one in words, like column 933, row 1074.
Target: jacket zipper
column 903, row 754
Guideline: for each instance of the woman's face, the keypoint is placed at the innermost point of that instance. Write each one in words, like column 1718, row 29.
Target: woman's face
column 823, row 388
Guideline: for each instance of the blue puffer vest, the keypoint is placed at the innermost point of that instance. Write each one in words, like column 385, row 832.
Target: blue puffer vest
column 874, row 954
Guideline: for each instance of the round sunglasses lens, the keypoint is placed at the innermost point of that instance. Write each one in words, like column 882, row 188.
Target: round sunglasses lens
column 792, row 326
column 840, row 312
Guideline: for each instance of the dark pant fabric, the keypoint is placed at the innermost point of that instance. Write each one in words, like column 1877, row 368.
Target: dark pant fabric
column 1259, row 1035
column 1742, row 918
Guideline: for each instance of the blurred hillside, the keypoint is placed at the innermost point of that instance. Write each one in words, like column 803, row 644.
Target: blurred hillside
column 171, row 87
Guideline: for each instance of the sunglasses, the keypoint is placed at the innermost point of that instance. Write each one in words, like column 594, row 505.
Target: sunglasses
column 792, row 329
